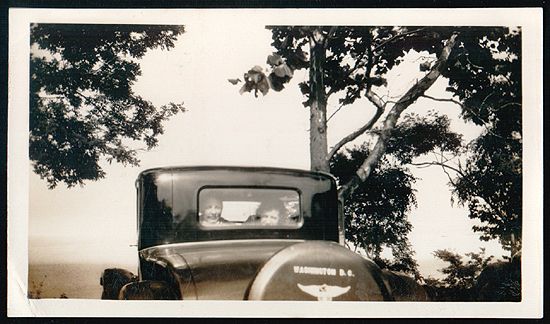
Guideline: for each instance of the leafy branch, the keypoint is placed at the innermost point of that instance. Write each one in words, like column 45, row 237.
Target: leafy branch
column 389, row 124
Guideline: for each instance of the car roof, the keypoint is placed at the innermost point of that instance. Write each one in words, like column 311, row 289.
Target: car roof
column 262, row 169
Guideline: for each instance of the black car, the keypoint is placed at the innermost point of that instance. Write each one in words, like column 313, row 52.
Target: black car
column 247, row 233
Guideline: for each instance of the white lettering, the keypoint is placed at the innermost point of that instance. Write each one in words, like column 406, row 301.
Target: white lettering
column 314, row 270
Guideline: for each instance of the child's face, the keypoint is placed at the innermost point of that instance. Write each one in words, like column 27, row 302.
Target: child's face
column 212, row 211
column 291, row 207
column 270, row 217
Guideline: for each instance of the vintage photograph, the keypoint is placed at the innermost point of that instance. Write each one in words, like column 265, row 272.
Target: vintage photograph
column 215, row 158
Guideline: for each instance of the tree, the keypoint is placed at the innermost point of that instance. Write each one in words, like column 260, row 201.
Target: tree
column 500, row 281
column 82, row 107
column 376, row 213
column 490, row 183
column 460, row 276
column 353, row 62
column 487, row 81
column 376, row 217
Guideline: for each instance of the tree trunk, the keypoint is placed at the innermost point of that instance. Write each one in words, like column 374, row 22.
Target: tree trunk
column 318, row 109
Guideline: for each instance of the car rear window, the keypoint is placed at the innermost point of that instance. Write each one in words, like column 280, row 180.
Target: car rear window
column 249, row 207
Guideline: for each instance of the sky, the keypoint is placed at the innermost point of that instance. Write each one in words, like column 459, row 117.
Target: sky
column 97, row 222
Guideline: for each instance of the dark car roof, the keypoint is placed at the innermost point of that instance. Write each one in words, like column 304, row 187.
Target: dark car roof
column 168, row 203
column 234, row 168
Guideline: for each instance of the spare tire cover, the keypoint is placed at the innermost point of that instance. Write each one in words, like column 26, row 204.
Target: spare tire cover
column 318, row 270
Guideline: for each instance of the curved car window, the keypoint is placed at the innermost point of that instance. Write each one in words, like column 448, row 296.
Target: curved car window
column 249, row 207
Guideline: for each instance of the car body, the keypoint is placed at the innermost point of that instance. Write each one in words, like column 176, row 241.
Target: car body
column 208, row 233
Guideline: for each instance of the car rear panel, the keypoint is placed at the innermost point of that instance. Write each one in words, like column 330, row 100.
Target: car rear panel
column 218, row 269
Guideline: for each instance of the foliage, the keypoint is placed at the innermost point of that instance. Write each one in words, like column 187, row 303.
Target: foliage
column 459, row 282
column 358, row 57
column 461, row 274
column 490, row 185
column 376, row 213
column 82, row 107
column 487, row 79
column 500, row 281
column 477, row 279
column 417, row 135
column 375, row 217
column 485, row 74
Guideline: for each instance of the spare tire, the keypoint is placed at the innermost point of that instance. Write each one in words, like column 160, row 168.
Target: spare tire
column 318, row 270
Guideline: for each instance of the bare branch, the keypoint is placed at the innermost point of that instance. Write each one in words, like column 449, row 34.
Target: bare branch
column 425, row 58
column 437, row 163
column 449, row 177
column 471, row 189
column 379, row 111
column 485, row 99
column 472, row 64
column 330, row 34
column 334, row 113
column 509, row 104
column 445, row 100
column 346, row 244
column 444, row 167
column 473, row 112
column 375, row 99
column 396, row 37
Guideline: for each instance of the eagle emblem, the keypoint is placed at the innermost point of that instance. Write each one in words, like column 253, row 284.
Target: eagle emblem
column 324, row 291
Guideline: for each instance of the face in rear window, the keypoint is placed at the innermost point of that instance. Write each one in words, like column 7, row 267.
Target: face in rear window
column 249, row 207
